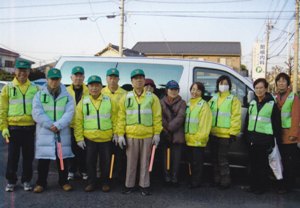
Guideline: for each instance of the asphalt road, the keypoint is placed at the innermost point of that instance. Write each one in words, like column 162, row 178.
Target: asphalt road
column 162, row 196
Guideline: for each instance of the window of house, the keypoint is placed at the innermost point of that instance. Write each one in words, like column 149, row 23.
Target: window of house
column 8, row 63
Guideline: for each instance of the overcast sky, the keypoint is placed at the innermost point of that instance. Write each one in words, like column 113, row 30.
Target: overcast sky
column 43, row 30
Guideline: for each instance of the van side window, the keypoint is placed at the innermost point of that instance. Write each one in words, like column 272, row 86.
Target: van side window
column 209, row 77
column 160, row 73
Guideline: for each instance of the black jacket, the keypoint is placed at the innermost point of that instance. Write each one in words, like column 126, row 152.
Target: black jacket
column 256, row 138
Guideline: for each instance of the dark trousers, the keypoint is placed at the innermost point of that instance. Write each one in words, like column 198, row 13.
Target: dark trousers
column 78, row 163
column 43, row 170
column 196, row 159
column 219, row 148
column 259, row 166
column 22, row 138
column 175, row 159
column 103, row 150
column 290, row 155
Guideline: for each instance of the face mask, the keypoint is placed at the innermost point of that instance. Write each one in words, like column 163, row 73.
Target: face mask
column 223, row 88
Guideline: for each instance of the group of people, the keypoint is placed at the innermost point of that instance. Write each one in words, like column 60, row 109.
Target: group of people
column 80, row 125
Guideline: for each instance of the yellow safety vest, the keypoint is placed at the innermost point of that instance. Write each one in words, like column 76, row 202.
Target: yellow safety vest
column 260, row 121
column 222, row 115
column 97, row 118
column 139, row 113
column 192, row 118
column 19, row 103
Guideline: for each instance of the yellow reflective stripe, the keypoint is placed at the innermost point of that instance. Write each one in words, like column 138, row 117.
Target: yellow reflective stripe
column 19, row 101
column 194, row 120
column 51, row 108
column 89, row 117
column 227, row 114
column 145, row 111
column 252, row 117
column 263, row 119
column 287, row 114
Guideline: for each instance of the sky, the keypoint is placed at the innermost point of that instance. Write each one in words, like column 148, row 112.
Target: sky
column 43, row 30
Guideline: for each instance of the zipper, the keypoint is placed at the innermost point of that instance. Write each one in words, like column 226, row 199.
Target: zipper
column 24, row 105
column 139, row 113
column 54, row 110
column 98, row 119
column 217, row 117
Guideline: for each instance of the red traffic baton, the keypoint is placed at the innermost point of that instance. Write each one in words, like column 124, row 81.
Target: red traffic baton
column 152, row 158
column 6, row 139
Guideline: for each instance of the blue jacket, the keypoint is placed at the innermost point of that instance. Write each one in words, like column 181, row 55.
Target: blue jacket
column 45, row 139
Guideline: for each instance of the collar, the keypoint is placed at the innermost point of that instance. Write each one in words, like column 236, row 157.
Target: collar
column 17, row 83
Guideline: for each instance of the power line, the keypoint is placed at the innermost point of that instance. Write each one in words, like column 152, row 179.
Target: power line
column 98, row 28
column 191, row 2
column 54, row 5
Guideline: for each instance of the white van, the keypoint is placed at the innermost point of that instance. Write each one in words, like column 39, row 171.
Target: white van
column 184, row 71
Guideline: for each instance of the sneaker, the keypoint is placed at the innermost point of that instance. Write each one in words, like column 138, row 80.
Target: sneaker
column 128, row 190
column 67, row 187
column 27, row 186
column 145, row 191
column 10, row 187
column 105, row 188
column 38, row 189
column 71, row 176
column 84, row 176
column 90, row 188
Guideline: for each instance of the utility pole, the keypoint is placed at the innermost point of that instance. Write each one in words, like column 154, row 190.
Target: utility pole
column 296, row 49
column 121, row 29
column 269, row 27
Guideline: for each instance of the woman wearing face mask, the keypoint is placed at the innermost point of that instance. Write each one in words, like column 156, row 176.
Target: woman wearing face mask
column 197, row 127
column 226, row 125
column 173, row 115
column 263, row 124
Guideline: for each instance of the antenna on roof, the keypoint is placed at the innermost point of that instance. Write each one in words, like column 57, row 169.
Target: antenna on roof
column 117, row 65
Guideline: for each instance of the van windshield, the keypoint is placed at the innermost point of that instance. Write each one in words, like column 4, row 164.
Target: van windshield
column 160, row 73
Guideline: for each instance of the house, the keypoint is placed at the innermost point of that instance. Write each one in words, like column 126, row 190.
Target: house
column 8, row 59
column 113, row 51
column 227, row 53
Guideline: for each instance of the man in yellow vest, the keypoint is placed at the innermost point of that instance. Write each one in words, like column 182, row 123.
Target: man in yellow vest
column 77, row 89
column 115, row 92
column 140, row 120
column 94, row 129
column 17, row 124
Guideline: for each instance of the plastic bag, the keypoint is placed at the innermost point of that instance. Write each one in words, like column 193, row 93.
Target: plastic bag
column 275, row 162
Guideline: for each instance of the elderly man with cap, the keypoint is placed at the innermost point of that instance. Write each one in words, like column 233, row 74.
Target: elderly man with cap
column 140, row 120
column 53, row 110
column 77, row 89
column 17, row 124
column 94, row 129
column 115, row 92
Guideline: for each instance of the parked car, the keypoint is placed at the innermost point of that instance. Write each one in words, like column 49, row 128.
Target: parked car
column 184, row 71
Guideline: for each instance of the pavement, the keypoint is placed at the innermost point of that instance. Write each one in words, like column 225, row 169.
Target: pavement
column 162, row 196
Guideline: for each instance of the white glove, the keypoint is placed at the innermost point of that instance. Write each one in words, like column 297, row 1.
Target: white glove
column 156, row 139
column 115, row 139
column 81, row 144
column 121, row 141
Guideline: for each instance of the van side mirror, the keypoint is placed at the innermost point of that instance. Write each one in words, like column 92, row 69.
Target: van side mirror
column 250, row 96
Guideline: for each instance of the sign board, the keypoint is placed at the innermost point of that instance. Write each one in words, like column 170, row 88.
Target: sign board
column 259, row 61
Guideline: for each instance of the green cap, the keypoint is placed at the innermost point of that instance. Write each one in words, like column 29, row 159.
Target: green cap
column 78, row 69
column 137, row 72
column 94, row 79
column 112, row 71
column 54, row 73
column 22, row 64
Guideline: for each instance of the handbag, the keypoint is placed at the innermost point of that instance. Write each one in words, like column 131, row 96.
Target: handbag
column 275, row 162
